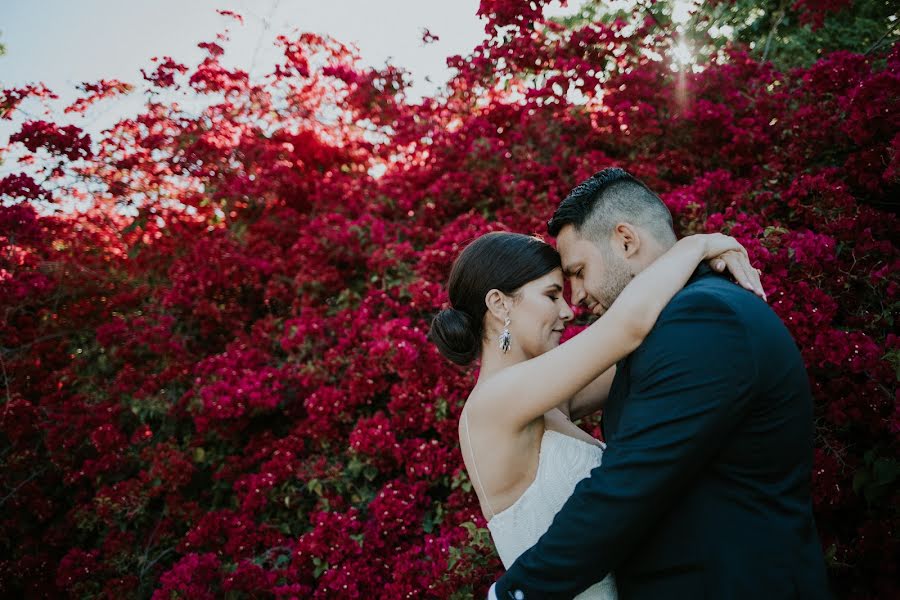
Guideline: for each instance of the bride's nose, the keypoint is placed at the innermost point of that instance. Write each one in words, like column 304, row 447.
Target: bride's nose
column 566, row 314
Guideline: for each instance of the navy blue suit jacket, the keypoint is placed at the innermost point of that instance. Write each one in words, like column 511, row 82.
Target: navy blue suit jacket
column 704, row 490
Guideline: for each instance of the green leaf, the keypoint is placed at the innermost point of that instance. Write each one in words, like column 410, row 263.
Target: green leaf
column 320, row 567
column 886, row 471
column 441, row 409
column 314, row 486
column 139, row 221
column 354, row 466
column 453, row 556
column 470, row 527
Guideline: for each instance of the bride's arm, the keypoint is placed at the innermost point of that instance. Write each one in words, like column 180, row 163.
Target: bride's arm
column 519, row 394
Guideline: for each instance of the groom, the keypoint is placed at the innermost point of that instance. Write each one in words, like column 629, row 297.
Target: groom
column 704, row 487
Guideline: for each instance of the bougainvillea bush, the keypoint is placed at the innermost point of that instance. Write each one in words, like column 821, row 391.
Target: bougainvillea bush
column 216, row 379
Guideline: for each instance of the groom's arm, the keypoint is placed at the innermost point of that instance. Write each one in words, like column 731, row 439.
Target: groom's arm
column 591, row 399
column 690, row 385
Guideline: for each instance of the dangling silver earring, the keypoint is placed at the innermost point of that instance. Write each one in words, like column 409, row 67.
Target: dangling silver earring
column 504, row 337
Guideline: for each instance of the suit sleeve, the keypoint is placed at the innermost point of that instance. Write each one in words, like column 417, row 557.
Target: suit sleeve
column 691, row 383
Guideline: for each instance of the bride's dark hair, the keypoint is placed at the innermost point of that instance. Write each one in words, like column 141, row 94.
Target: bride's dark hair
column 505, row 261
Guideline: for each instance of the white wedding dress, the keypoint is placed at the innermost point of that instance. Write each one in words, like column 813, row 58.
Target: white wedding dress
column 563, row 462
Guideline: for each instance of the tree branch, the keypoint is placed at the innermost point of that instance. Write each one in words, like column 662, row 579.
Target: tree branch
column 781, row 14
column 16, row 489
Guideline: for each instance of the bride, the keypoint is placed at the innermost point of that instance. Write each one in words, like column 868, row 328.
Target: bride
column 521, row 450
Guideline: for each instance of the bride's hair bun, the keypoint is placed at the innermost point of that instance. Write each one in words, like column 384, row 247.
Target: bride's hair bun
column 498, row 260
column 454, row 333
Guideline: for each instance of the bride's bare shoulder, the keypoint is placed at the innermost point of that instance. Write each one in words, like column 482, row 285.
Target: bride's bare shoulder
column 474, row 406
column 484, row 397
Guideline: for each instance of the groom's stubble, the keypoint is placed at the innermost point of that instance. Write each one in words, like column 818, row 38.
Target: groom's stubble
column 617, row 274
column 607, row 262
column 619, row 271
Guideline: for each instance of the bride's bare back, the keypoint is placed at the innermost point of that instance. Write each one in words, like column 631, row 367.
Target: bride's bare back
column 509, row 468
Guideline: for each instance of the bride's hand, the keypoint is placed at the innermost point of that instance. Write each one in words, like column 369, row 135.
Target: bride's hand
column 724, row 252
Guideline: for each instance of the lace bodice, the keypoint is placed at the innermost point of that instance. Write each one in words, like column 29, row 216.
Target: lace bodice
column 563, row 462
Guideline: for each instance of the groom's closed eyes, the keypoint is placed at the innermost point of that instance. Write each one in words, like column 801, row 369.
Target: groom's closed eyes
column 573, row 271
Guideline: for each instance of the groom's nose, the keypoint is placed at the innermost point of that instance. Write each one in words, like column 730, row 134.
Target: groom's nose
column 578, row 294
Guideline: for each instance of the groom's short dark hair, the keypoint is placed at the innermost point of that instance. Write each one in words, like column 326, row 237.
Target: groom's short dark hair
column 608, row 197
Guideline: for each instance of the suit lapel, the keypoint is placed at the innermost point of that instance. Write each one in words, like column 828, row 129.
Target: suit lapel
column 621, row 385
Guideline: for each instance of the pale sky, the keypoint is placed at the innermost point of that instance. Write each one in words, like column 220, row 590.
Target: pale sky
column 65, row 42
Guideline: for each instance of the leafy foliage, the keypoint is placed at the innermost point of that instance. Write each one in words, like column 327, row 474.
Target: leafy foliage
column 216, row 377
column 790, row 33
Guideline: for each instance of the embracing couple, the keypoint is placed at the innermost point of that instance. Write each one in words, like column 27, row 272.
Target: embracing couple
column 703, row 487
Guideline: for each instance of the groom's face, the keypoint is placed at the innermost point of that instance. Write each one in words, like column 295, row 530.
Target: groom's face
column 597, row 274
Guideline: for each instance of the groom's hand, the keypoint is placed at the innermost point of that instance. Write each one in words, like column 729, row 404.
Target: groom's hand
column 738, row 264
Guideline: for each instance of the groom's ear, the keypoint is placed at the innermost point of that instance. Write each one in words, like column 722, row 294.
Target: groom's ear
column 626, row 239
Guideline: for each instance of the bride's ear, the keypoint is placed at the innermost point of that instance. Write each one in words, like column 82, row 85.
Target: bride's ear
column 497, row 304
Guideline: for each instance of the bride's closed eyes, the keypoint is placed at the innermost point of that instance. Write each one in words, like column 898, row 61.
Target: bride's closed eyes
column 554, row 292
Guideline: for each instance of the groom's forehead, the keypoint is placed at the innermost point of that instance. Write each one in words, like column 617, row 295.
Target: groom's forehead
column 567, row 243
column 570, row 263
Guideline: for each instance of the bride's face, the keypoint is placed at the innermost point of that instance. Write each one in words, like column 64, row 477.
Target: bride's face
column 539, row 315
